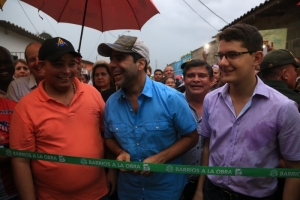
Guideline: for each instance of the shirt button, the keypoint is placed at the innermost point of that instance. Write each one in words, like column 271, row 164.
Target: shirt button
column 117, row 128
column 157, row 127
column 135, row 127
column 137, row 144
column 131, row 110
column 143, row 188
column 140, row 160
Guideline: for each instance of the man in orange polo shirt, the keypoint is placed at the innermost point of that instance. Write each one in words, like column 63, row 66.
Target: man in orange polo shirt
column 61, row 116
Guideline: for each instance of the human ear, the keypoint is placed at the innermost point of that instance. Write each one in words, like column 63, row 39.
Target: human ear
column 258, row 57
column 284, row 75
column 141, row 63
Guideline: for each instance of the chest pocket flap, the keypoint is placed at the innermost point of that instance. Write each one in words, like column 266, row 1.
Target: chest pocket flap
column 156, row 125
column 117, row 127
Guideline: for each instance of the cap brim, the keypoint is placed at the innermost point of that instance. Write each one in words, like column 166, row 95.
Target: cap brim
column 105, row 49
column 57, row 55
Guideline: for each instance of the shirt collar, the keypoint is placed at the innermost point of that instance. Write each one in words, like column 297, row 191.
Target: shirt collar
column 147, row 90
column 260, row 89
column 32, row 82
column 43, row 96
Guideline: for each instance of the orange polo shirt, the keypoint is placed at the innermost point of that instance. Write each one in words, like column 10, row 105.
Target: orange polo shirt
column 41, row 124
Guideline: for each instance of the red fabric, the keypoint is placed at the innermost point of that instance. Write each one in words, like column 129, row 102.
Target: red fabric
column 7, row 187
column 6, row 110
column 101, row 15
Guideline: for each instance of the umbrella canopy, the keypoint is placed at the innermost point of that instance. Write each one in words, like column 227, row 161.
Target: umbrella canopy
column 102, row 15
column 2, row 2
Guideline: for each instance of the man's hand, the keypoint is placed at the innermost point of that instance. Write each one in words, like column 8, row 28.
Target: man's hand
column 151, row 159
column 123, row 156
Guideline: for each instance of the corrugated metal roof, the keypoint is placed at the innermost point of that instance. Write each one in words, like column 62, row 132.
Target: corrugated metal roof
column 21, row 31
column 268, row 5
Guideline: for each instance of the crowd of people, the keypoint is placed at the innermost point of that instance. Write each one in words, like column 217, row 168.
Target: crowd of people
column 243, row 111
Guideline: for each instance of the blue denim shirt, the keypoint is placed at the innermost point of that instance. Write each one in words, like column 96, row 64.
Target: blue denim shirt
column 194, row 155
column 163, row 114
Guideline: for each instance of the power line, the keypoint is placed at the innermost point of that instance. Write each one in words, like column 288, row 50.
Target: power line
column 95, row 46
column 28, row 17
column 51, row 25
column 200, row 16
column 213, row 12
column 112, row 35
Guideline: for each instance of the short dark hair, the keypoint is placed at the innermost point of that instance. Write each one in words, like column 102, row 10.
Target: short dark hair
column 248, row 35
column 136, row 57
column 158, row 70
column 8, row 53
column 198, row 63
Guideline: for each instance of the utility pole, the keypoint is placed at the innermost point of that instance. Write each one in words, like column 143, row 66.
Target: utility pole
column 155, row 64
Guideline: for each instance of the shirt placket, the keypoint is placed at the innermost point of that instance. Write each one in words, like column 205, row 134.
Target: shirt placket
column 137, row 131
column 232, row 142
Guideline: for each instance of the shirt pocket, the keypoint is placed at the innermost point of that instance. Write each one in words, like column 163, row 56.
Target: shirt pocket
column 119, row 130
column 160, row 135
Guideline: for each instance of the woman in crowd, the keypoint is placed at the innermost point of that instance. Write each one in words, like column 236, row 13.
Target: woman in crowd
column 101, row 76
column 21, row 68
column 169, row 81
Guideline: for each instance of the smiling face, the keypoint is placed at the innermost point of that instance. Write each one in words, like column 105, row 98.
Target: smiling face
column 123, row 68
column 21, row 70
column 197, row 81
column 32, row 53
column 170, row 82
column 169, row 71
column 60, row 73
column 239, row 69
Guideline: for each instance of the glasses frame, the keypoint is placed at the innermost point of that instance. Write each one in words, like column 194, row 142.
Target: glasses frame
column 220, row 56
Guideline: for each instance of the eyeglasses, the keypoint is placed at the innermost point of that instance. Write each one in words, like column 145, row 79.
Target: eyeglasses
column 231, row 55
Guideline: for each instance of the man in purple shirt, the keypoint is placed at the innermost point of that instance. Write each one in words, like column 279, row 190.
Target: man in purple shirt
column 247, row 124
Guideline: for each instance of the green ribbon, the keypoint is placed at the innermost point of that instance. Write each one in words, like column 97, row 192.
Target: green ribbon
column 168, row 168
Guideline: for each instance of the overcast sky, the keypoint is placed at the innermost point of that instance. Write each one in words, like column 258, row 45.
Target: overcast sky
column 174, row 32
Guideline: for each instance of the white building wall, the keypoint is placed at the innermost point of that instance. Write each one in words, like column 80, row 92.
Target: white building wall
column 14, row 42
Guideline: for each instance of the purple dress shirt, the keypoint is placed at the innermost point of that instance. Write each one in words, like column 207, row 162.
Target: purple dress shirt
column 268, row 126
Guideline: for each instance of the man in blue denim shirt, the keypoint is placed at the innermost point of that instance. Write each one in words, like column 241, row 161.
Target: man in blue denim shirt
column 198, row 79
column 142, row 122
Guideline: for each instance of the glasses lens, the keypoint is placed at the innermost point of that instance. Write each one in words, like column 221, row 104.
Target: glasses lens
column 218, row 57
column 232, row 55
